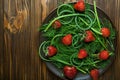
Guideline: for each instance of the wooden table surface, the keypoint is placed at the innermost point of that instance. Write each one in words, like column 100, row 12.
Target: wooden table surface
column 20, row 38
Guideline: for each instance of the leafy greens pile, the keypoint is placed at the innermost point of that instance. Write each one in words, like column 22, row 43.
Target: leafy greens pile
column 76, row 23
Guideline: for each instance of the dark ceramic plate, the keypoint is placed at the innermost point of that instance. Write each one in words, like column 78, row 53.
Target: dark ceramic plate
column 79, row 76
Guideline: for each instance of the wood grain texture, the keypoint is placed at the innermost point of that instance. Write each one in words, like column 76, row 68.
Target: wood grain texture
column 1, row 40
column 20, row 38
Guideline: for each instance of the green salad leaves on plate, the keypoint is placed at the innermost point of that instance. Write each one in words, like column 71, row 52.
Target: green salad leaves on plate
column 78, row 40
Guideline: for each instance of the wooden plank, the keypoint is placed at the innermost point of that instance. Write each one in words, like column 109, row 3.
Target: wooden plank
column 115, row 17
column 7, row 51
column 1, row 40
column 17, row 40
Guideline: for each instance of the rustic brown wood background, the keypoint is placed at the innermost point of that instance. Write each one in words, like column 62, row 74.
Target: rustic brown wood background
column 19, row 38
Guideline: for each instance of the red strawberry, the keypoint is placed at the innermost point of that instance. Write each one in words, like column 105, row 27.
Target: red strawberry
column 56, row 24
column 89, row 36
column 105, row 32
column 51, row 51
column 82, row 54
column 94, row 74
column 104, row 55
column 70, row 72
column 80, row 6
column 67, row 40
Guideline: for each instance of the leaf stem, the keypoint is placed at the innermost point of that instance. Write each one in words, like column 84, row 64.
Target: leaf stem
column 96, row 31
column 100, row 42
column 55, row 37
column 61, row 61
column 81, row 70
column 96, row 14
column 59, row 17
